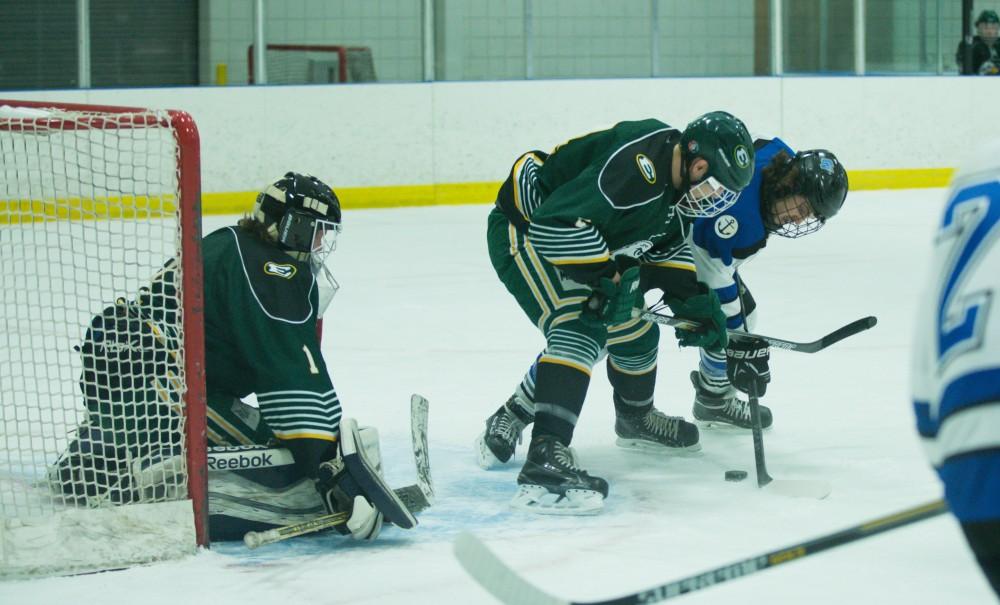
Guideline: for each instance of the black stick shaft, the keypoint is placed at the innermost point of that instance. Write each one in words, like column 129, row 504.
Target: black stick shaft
column 781, row 556
column 837, row 335
column 758, row 443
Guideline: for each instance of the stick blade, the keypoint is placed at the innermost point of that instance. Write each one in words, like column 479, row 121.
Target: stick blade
column 419, row 407
column 495, row 576
column 800, row 488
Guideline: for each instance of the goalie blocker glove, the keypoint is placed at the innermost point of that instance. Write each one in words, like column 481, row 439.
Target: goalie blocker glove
column 747, row 365
column 353, row 482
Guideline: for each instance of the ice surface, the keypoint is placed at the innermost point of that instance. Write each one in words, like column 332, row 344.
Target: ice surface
column 420, row 310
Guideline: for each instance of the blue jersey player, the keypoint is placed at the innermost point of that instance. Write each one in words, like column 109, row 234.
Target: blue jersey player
column 791, row 195
column 956, row 357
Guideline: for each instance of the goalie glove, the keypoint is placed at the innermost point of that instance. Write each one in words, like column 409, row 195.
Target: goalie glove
column 340, row 493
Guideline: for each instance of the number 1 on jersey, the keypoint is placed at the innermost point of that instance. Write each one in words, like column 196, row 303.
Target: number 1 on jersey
column 312, row 362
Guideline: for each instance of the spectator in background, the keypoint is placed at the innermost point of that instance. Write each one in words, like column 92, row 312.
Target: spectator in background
column 985, row 47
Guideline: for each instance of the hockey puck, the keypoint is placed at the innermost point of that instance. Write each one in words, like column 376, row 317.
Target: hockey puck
column 736, row 475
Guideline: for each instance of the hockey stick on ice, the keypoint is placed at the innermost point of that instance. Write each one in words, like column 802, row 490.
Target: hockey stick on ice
column 416, row 497
column 837, row 335
column 253, row 539
column 506, row 585
column 411, row 495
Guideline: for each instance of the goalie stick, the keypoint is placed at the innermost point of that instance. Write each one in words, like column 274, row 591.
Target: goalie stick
column 416, row 497
column 836, row 336
column 506, row 585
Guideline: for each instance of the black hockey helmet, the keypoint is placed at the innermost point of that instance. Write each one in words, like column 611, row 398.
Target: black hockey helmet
column 722, row 140
column 822, row 180
column 293, row 208
column 799, row 194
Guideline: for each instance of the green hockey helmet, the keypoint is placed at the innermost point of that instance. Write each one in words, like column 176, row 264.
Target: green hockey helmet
column 722, row 140
column 987, row 16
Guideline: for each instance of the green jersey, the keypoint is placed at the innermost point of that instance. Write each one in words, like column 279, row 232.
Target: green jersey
column 601, row 200
column 261, row 336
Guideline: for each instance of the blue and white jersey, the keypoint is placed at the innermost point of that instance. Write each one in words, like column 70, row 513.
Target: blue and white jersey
column 719, row 245
column 956, row 353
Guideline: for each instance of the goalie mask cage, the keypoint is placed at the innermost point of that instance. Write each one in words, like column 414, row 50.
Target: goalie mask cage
column 314, row 64
column 93, row 201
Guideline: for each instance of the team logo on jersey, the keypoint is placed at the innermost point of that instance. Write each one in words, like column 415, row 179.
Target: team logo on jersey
column 646, row 168
column 280, row 270
column 726, row 226
column 826, row 164
column 634, row 250
column 742, row 156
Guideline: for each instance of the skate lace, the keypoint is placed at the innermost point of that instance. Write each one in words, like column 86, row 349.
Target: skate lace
column 564, row 456
column 509, row 426
column 659, row 423
column 737, row 408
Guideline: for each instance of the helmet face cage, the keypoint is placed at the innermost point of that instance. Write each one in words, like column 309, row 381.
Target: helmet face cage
column 304, row 232
column 706, row 199
column 792, row 216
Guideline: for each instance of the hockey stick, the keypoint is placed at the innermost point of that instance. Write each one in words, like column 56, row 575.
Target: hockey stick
column 506, row 585
column 253, row 539
column 796, row 488
column 419, row 407
column 836, row 336
column 416, row 497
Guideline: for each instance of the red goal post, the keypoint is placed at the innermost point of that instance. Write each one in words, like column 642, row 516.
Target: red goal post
column 94, row 200
column 291, row 63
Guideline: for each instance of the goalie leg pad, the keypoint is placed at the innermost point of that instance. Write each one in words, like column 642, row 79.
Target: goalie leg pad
column 368, row 477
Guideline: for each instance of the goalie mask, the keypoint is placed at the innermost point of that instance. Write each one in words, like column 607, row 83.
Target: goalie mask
column 302, row 215
column 723, row 141
column 810, row 189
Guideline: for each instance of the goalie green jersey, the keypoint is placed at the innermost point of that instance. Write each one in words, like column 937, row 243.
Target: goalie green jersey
column 602, row 200
column 261, row 336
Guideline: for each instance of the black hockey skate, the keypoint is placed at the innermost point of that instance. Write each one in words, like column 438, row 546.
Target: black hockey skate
column 551, row 483
column 653, row 430
column 503, row 432
column 724, row 409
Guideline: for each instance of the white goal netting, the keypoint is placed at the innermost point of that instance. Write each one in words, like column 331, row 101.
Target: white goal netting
column 93, row 470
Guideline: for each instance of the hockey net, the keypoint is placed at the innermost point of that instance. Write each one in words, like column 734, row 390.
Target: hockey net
column 314, row 64
column 102, row 413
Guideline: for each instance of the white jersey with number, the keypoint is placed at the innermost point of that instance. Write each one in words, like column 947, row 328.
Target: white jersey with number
column 956, row 358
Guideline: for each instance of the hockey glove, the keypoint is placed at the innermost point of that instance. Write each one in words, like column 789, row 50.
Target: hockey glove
column 612, row 303
column 704, row 308
column 341, row 493
column 747, row 365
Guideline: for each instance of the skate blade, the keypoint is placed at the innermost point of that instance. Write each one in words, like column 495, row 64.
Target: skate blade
column 658, row 448
column 536, row 499
column 724, row 426
column 484, row 457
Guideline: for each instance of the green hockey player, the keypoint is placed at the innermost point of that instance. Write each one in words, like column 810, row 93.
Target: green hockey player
column 568, row 236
